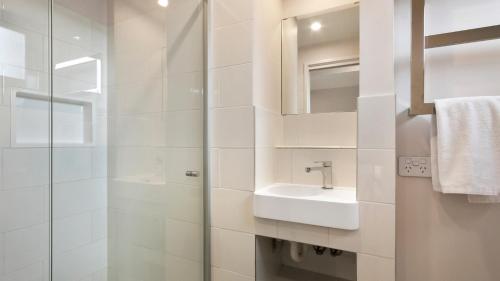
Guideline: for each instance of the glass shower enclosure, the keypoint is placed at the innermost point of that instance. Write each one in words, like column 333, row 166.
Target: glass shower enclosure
column 102, row 140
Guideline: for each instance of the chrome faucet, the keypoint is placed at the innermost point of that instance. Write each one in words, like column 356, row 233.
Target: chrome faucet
column 327, row 172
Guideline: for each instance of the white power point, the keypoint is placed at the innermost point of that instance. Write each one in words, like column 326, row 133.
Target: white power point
column 415, row 167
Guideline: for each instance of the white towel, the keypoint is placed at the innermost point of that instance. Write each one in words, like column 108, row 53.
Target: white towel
column 465, row 146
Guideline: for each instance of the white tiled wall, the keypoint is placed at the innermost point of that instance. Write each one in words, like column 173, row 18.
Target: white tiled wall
column 252, row 139
column 324, row 129
column 291, row 166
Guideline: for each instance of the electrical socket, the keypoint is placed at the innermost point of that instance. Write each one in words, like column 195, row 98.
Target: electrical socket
column 415, row 167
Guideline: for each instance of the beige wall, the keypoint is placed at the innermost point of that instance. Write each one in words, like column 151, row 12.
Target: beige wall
column 439, row 237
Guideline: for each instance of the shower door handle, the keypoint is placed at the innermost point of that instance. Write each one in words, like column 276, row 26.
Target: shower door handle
column 193, row 174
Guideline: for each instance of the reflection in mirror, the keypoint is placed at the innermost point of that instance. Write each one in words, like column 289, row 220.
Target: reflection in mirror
column 320, row 62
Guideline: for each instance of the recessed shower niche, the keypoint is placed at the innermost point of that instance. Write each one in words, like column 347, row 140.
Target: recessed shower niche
column 73, row 120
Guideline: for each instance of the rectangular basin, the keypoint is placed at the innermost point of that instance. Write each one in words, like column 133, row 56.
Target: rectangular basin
column 308, row 204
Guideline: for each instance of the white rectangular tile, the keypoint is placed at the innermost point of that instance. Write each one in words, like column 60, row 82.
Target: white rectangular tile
column 231, row 86
column 139, row 130
column 25, row 167
column 184, row 49
column 233, row 127
column 71, row 164
column 233, row 251
column 72, row 232
column 184, row 239
column 184, row 202
column 304, row 233
column 180, row 160
column 22, row 207
column 376, row 176
column 214, row 167
column 184, row 128
column 377, row 122
column 236, row 168
column 232, row 209
column 75, row 197
column 80, row 262
column 28, row 16
column 372, row 268
column 139, row 67
column 225, row 275
column 233, row 44
column 343, row 166
column 184, row 91
column 377, row 48
column 268, row 128
column 137, row 162
column 265, row 158
column 126, row 97
column 139, row 230
column 182, row 269
column 5, row 128
column 284, row 165
column 377, row 229
column 99, row 224
column 26, row 246
column 100, row 162
column 33, row 272
column 228, row 12
column 324, row 129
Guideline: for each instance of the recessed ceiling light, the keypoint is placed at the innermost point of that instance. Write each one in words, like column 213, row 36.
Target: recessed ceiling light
column 315, row 26
column 163, row 3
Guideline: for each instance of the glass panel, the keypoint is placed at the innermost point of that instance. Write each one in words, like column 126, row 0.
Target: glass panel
column 24, row 140
column 128, row 78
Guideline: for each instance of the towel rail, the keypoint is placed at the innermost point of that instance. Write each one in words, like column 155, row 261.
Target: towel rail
column 420, row 42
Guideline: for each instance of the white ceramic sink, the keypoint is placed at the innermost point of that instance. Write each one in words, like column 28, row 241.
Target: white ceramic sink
column 308, row 204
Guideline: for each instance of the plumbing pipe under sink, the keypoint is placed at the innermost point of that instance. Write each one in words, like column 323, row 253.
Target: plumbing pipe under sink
column 297, row 251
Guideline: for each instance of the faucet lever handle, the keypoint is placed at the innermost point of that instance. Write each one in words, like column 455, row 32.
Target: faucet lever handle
column 324, row 163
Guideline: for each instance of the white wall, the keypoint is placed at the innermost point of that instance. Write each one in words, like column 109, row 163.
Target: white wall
column 434, row 230
column 243, row 136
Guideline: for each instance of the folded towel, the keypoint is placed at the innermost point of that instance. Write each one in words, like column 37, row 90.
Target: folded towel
column 465, row 146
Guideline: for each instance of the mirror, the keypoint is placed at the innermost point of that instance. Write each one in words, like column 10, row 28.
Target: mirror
column 320, row 62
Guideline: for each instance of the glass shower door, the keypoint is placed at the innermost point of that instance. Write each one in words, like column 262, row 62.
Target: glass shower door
column 128, row 140
column 24, row 140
